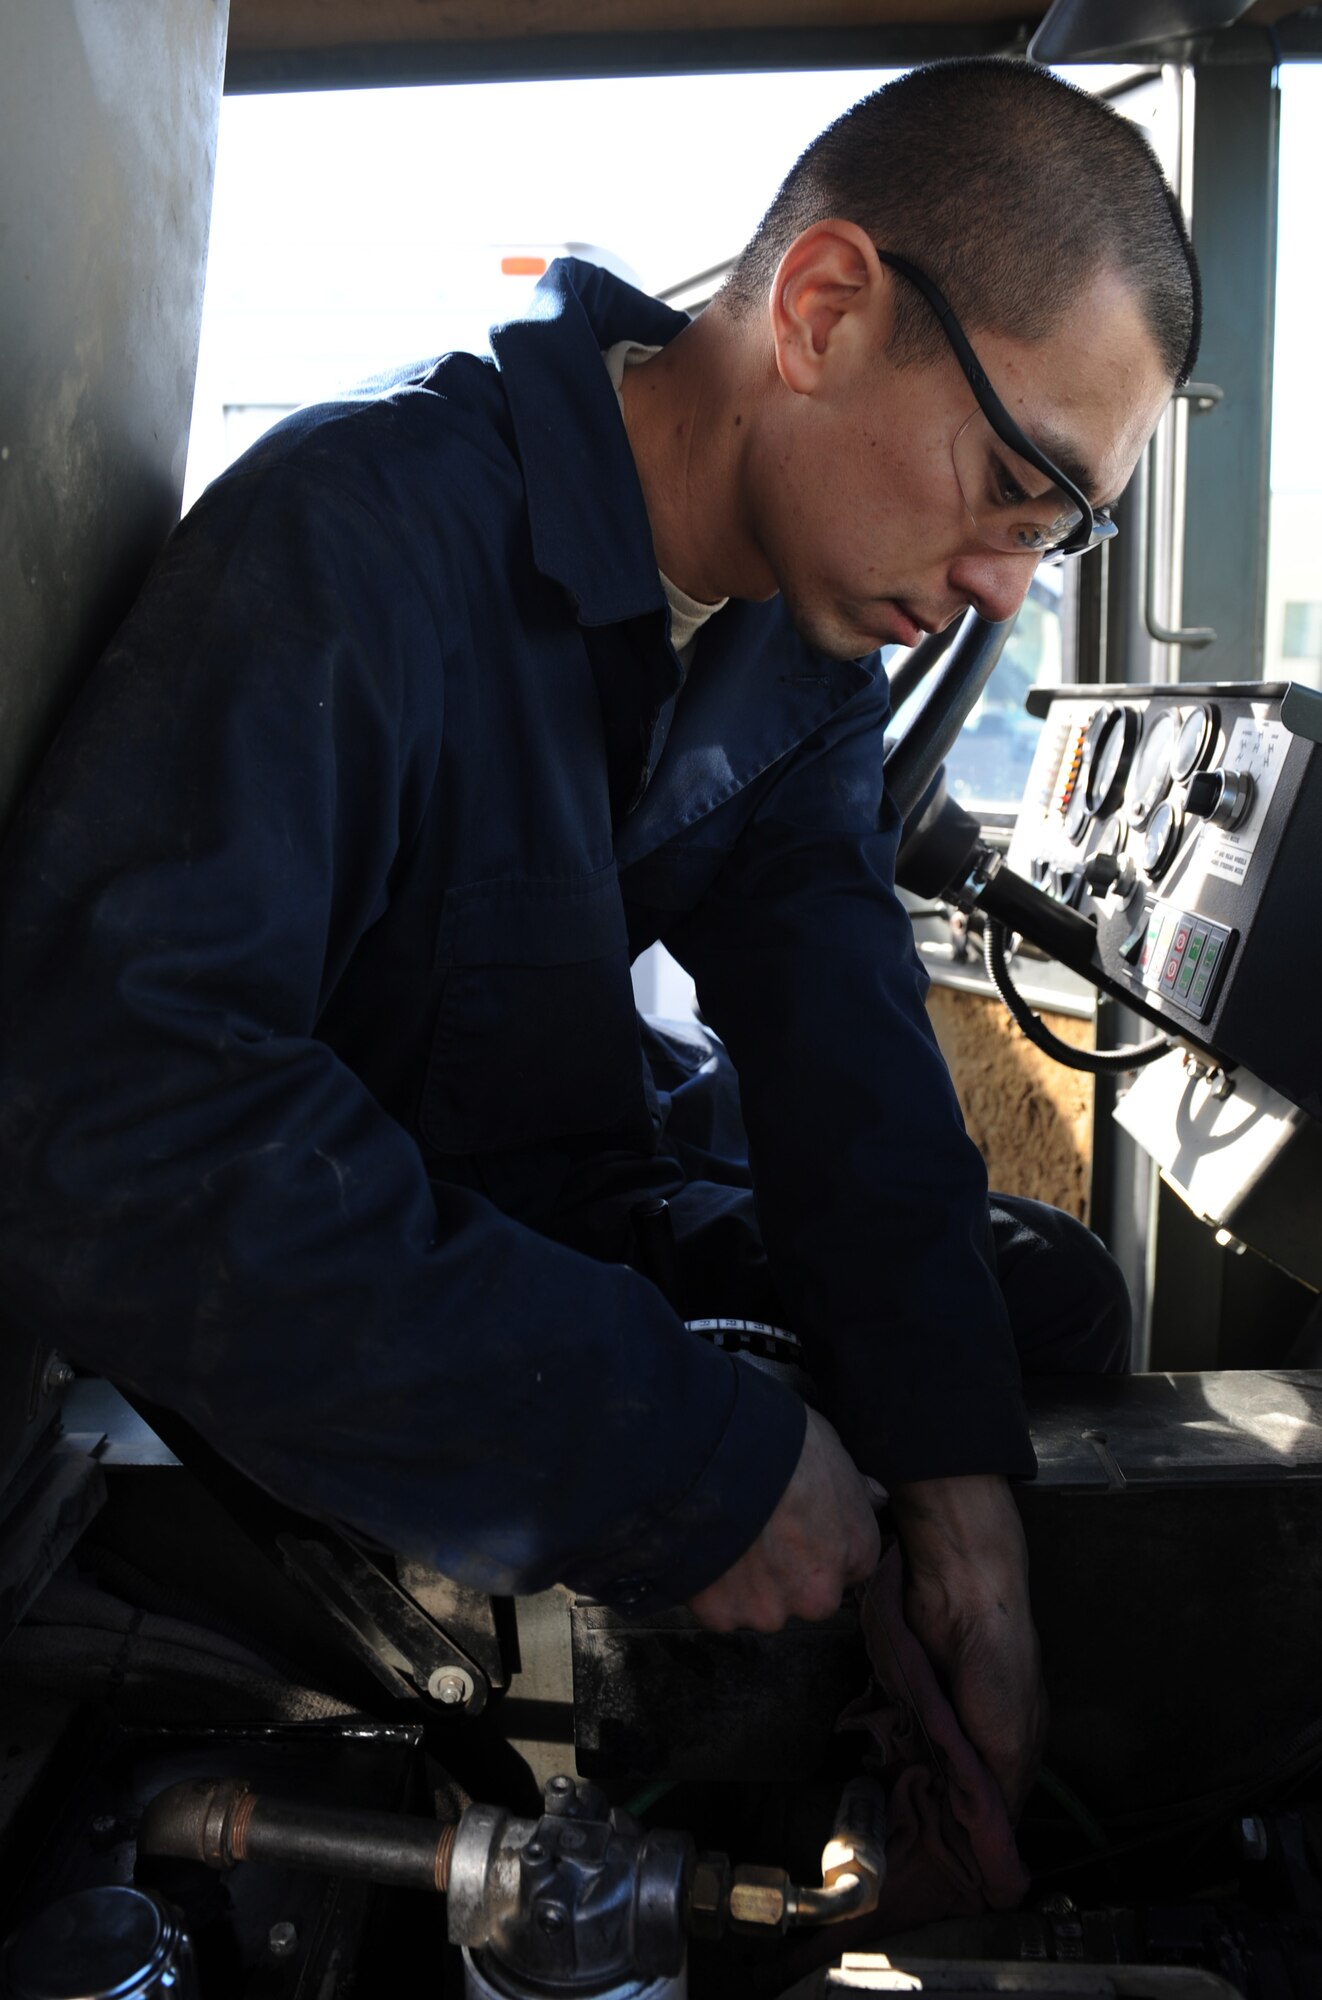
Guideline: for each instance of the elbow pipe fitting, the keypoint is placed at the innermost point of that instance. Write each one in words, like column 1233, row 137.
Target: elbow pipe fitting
column 853, row 1872
column 853, row 1860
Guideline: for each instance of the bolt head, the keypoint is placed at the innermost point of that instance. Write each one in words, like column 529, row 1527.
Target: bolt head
column 551, row 1919
column 58, row 1377
column 450, row 1686
column 282, row 1940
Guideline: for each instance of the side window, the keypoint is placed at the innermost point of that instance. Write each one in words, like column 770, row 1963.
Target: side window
column 1302, row 631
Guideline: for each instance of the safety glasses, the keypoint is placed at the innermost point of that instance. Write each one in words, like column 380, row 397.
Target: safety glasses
column 997, row 465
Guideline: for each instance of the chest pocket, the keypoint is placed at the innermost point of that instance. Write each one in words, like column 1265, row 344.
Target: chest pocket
column 536, row 1035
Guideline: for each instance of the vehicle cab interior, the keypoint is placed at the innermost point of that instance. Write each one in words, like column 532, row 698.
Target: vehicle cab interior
column 244, row 1752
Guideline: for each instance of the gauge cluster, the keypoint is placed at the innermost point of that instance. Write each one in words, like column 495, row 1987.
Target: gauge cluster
column 1187, row 822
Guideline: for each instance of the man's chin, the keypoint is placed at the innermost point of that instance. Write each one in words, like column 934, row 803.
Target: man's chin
column 831, row 634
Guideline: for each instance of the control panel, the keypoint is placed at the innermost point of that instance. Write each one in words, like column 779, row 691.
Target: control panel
column 1187, row 822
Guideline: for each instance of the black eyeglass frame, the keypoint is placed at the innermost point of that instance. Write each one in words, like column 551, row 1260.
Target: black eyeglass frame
column 1095, row 525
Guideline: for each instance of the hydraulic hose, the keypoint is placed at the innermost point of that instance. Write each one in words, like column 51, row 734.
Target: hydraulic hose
column 1098, row 1062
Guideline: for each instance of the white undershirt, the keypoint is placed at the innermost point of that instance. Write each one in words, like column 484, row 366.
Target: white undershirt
column 688, row 614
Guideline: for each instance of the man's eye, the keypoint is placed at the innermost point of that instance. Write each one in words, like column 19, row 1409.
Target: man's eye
column 1005, row 487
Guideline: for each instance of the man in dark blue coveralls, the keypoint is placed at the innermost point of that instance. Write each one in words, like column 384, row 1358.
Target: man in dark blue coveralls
column 324, row 1107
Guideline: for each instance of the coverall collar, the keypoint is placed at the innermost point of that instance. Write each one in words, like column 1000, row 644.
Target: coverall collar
column 590, row 528
column 764, row 689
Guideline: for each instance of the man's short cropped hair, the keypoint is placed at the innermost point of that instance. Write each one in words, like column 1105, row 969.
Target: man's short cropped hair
column 1010, row 188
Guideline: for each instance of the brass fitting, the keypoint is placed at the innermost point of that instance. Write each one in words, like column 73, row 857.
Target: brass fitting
column 761, row 1899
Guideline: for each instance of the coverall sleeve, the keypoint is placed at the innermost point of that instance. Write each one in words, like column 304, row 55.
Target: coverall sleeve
column 200, row 1200
column 872, row 1199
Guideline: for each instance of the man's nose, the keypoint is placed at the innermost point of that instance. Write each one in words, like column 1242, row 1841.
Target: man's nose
column 993, row 582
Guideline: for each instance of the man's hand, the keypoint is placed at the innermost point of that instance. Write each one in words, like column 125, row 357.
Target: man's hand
column 967, row 1602
column 822, row 1537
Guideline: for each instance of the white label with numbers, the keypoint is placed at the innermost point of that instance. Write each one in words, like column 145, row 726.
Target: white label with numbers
column 1257, row 747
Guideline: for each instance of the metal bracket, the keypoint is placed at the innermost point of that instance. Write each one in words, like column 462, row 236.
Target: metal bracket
column 406, row 1650
column 1203, row 395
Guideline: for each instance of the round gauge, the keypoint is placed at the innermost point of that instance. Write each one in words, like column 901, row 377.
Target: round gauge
column 1150, row 779
column 1161, row 840
column 1112, row 734
column 1194, row 742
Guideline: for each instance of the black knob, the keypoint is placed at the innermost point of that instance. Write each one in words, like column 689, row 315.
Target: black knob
column 1110, row 875
column 1204, row 794
column 1223, row 797
column 1101, row 870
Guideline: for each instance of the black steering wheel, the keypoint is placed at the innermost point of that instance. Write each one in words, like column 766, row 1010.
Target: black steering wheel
column 915, row 754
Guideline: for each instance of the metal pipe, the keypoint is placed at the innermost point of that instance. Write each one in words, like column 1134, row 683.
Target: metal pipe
column 220, row 1821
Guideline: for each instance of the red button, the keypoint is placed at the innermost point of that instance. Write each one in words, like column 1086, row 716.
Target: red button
column 1181, row 937
column 1172, row 967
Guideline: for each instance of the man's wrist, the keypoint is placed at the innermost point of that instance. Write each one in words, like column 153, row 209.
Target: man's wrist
column 969, row 1522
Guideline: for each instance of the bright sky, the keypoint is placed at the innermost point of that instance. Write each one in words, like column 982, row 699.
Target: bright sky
column 356, row 229
column 669, row 172
column 353, row 229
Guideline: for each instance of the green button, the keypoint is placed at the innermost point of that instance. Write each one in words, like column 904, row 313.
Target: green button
column 1211, row 959
column 1190, row 966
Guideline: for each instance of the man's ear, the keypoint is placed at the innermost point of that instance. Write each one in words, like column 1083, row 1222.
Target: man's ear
column 829, row 288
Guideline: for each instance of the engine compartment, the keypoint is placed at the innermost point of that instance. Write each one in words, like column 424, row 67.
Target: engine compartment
column 658, row 1775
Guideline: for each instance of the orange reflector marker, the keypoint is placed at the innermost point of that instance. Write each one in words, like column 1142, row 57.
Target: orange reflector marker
column 523, row 267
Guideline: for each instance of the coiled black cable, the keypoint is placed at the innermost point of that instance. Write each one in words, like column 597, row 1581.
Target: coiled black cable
column 1099, row 1062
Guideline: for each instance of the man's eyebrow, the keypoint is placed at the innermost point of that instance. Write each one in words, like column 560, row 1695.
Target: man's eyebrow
column 1066, row 456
